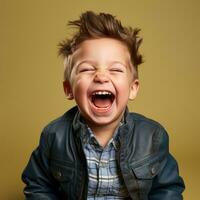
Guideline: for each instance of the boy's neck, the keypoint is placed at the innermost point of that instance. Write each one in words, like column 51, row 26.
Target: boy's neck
column 104, row 133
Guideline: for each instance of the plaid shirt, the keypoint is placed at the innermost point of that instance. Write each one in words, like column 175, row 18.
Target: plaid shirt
column 105, row 178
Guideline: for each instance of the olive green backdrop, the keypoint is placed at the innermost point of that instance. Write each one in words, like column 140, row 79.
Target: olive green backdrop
column 31, row 76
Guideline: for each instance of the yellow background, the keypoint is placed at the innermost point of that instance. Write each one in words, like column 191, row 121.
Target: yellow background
column 31, row 76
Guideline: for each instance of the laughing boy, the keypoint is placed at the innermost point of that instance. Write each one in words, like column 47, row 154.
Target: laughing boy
column 98, row 149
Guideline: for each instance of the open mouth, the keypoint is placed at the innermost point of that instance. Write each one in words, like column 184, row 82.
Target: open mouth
column 102, row 99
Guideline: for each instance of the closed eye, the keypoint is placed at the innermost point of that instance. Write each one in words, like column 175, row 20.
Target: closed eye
column 116, row 70
column 86, row 68
column 117, row 67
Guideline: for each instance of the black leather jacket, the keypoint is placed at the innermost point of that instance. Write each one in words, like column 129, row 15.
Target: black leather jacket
column 57, row 169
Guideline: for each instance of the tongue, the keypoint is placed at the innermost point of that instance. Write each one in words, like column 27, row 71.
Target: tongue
column 102, row 103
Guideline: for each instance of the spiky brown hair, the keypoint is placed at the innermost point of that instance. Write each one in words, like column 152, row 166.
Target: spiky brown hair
column 102, row 25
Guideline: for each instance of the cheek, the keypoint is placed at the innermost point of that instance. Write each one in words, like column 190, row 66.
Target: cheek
column 123, row 84
column 80, row 87
column 124, row 91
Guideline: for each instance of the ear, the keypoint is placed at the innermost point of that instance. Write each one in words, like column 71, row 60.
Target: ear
column 68, row 90
column 134, row 87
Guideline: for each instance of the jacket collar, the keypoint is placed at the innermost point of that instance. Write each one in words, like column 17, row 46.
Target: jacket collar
column 79, row 122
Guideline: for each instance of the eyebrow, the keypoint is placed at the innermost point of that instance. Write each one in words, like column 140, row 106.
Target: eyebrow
column 76, row 64
column 118, row 62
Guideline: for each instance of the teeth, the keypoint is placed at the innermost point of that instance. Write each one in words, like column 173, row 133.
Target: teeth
column 102, row 93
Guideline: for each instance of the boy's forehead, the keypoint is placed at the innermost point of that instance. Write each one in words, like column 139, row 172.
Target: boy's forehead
column 102, row 49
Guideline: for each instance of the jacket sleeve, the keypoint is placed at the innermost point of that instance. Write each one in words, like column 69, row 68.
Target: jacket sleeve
column 167, row 185
column 37, row 176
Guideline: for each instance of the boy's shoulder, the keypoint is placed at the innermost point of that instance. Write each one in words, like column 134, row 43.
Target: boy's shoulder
column 148, row 135
column 145, row 127
column 141, row 120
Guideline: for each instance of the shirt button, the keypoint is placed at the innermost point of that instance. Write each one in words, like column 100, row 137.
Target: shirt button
column 58, row 174
column 153, row 170
column 84, row 140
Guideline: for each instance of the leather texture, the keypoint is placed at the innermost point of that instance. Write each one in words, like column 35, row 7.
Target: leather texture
column 57, row 169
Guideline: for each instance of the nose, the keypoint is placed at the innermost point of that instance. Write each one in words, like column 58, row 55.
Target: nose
column 101, row 77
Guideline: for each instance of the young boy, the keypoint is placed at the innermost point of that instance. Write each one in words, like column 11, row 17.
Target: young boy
column 98, row 150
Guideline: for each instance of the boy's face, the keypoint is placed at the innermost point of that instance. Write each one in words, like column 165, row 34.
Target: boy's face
column 102, row 81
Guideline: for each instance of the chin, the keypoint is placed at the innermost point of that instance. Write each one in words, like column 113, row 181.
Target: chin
column 98, row 120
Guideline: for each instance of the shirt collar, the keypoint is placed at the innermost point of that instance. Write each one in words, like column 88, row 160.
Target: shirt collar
column 89, row 137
